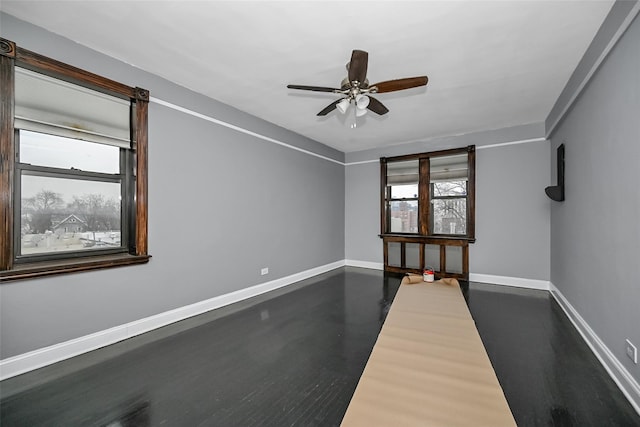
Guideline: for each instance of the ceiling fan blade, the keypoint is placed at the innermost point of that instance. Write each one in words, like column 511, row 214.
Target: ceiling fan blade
column 376, row 106
column 400, row 84
column 358, row 66
column 329, row 108
column 315, row 88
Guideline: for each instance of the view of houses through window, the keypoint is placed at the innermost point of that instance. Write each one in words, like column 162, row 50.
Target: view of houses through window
column 448, row 203
column 404, row 213
column 70, row 192
column 444, row 182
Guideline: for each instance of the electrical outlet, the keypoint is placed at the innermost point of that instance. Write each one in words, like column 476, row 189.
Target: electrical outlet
column 264, row 271
column 632, row 351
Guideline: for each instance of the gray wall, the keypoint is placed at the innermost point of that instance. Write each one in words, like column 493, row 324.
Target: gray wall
column 595, row 233
column 362, row 213
column 512, row 212
column 250, row 204
column 511, row 205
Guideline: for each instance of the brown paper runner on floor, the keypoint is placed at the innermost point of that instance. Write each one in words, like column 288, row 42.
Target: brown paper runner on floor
column 429, row 366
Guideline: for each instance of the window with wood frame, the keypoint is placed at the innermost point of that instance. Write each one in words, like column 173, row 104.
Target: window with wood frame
column 429, row 194
column 427, row 204
column 73, row 168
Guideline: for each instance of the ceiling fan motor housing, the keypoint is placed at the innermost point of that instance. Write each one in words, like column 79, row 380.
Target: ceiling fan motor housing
column 346, row 84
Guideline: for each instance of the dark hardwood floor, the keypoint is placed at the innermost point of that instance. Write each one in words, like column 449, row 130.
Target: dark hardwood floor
column 549, row 375
column 294, row 357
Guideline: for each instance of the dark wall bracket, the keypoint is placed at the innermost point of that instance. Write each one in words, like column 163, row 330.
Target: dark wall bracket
column 556, row 192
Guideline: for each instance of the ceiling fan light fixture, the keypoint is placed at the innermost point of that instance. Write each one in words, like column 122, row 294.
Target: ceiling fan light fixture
column 343, row 105
column 362, row 101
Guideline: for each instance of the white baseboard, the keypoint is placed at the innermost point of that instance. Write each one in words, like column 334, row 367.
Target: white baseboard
column 365, row 264
column 32, row 360
column 517, row 282
column 627, row 384
column 26, row 362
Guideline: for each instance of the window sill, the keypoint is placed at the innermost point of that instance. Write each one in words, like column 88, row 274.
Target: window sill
column 425, row 239
column 50, row 268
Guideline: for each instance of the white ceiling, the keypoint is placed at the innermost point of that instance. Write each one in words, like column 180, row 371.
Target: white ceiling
column 491, row 64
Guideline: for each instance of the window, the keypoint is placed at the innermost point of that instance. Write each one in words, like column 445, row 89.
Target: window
column 66, row 209
column 427, row 211
column 429, row 194
column 73, row 168
column 402, row 196
column 448, row 190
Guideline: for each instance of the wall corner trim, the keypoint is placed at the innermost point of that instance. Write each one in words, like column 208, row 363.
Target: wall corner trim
column 627, row 384
column 42, row 357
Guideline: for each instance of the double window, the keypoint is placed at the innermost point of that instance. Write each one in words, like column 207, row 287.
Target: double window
column 429, row 194
column 73, row 168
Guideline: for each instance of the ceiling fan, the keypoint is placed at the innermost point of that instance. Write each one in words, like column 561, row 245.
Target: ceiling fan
column 356, row 89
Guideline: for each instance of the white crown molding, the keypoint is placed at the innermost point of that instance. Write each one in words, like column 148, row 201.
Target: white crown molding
column 504, row 144
column 363, row 162
column 240, row 129
column 293, row 147
column 478, row 147
column 594, row 67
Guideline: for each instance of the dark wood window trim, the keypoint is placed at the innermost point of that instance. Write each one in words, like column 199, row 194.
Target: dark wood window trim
column 423, row 196
column 423, row 237
column 11, row 56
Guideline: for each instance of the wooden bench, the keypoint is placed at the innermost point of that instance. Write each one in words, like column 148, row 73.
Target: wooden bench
column 429, row 366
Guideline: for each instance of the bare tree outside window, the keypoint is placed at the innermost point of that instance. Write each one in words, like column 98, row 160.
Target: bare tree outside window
column 449, row 204
column 38, row 210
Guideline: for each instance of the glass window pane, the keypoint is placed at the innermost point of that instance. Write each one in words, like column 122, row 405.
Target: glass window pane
column 404, row 191
column 60, row 214
column 404, row 217
column 449, row 216
column 66, row 153
column 449, row 188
